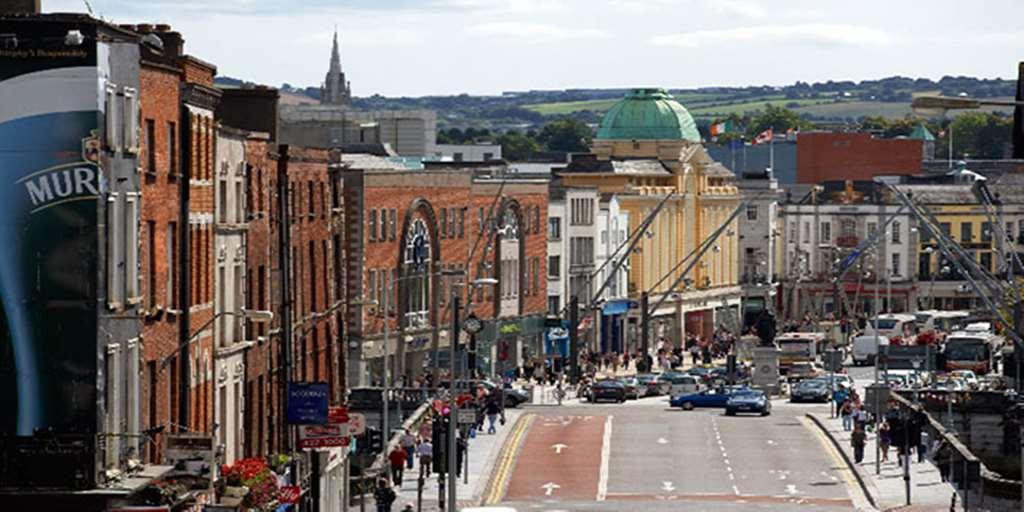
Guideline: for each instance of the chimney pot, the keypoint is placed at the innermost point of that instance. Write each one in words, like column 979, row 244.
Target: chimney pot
column 163, row 27
column 144, row 28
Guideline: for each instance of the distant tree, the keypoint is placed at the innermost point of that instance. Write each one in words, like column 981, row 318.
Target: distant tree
column 979, row 135
column 566, row 135
column 516, row 146
column 779, row 119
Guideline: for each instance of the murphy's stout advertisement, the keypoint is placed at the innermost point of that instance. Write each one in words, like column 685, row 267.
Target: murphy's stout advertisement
column 50, row 187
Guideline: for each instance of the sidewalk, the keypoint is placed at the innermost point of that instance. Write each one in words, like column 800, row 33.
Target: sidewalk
column 482, row 452
column 888, row 491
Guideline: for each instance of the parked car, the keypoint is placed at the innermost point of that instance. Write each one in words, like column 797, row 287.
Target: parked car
column 701, row 372
column 652, row 385
column 865, row 348
column 513, row 397
column 609, row 390
column 968, row 377
column 949, row 385
column 811, row 390
column 712, row 397
column 684, row 384
column 634, row 389
column 748, row 400
column 834, row 380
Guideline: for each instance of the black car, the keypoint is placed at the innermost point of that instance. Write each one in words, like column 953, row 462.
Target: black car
column 748, row 400
column 609, row 390
column 513, row 397
column 652, row 386
column 813, row 390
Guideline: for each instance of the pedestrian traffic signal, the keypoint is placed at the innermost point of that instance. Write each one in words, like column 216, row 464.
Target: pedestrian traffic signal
column 374, row 440
column 439, row 439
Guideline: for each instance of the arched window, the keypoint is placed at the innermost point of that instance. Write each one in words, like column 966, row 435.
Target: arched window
column 416, row 273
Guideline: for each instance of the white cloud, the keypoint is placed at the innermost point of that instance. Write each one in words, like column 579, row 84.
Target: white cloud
column 746, row 8
column 529, row 32
column 808, row 33
column 372, row 37
column 505, row 6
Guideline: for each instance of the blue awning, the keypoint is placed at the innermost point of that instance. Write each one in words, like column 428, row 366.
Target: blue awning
column 617, row 307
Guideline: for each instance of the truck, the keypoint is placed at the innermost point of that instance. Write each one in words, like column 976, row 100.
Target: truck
column 798, row 347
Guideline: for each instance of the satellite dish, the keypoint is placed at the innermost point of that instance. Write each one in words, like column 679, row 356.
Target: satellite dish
column 154, row 40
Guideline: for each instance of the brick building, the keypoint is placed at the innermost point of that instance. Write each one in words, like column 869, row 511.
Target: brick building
column 160, row 161
column 408, row 228
column 827, row 156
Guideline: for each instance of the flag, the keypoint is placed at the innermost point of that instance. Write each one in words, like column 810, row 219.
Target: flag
column 720, row 128
column 763, row 137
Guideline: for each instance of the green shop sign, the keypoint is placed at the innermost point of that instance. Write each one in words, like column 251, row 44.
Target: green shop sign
column 510, row 328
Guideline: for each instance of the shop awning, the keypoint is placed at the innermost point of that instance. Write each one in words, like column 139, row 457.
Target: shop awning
column 617, row 307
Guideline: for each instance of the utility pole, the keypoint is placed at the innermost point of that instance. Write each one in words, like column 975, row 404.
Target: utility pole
column 574, row 340
column 385, row 417
column 645, row 318
column 453, row 416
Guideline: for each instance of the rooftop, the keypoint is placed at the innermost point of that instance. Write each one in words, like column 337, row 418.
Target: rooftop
column 648, row 114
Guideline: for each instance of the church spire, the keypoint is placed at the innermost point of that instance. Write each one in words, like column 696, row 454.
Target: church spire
column 336, row 90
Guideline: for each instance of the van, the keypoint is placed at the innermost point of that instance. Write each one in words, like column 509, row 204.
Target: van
column 683, row 385
column 892, row 325
column 865, row 348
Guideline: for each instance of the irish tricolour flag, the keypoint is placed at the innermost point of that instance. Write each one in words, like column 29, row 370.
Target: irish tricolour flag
column 720, row 128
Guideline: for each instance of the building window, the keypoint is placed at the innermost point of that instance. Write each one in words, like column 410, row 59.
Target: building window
column 826, row 232
column 171, row 254
column 392, row 221
column 1009, row 230
column 416, row 268
column 751, row 212
column 384, row 223
column 131, row 246
column 131, row 120
column 986, row 231
column 115, row 252
column 895, row 236
column 966, row 232
column 554, row 228
column 452, row 214
column 480, row 219
column 536, row 219
column 553, row 305
column 896, row 264
column 535, row 275
column 462, row 223
column 554, row 267
column 581, row 250
column 444, row 222
column 113, row 142
column 150, row 146
column 373, row 225
column 172, row 149
column 986, row 261
column 488, row 156
column 807, row 232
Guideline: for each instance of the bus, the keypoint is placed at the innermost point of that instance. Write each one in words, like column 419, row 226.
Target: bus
column 798, row 347
column 935, row 325
column 973, row 350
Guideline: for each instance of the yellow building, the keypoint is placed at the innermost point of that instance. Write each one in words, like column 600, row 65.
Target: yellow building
column 648, row 148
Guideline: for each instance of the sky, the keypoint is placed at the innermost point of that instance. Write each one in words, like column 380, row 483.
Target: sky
column 447, row 47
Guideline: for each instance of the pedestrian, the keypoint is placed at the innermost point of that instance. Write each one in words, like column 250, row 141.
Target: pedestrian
column 884, row 439
column 847, row 414
column 860, row 416
column 922, row 446
column 857, row 440
column 694, row 353
column 397, row 459
column 492, row 410
column 408, row 443
column 839, row 396
column 384, row 496
column 425, row 451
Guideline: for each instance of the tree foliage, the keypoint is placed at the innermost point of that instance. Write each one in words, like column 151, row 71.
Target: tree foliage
column 779, row 119
column 516, row 146
column 569, row 135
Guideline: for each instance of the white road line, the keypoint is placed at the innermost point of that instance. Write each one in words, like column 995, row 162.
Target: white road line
column 606, row 452
column 736, row 490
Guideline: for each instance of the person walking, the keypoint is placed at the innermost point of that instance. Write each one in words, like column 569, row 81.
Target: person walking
column 492, row 410
column 425, row 451
column 384, row 496
column 397, row 459
column 884, row 439
column 408, row 443
column 857, row 440
column 847, row 413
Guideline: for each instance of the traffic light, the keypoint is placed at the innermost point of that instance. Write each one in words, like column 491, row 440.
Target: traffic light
column 374, row 440
column 557, row 364
column 439, row 439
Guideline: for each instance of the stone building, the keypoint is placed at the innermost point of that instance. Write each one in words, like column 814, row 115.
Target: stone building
column 647, row 149
column 409, row 232
column 336, row 90
column 759, row 244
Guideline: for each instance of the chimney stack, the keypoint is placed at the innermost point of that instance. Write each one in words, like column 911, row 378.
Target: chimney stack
column 20, row 7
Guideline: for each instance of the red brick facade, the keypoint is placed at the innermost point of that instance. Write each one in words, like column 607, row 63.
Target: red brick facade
column 854, row 156
column 454, row 206
column 160, row 186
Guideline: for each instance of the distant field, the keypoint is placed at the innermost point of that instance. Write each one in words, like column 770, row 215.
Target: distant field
column 748, row 107
column 856, row 109
column 568, row 107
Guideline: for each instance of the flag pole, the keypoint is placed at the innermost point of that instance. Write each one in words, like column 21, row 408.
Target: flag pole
column 771, row 149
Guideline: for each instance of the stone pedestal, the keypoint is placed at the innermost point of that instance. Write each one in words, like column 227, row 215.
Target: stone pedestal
column 765, row 375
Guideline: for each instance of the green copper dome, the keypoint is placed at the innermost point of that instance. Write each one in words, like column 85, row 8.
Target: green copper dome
column 648, row 114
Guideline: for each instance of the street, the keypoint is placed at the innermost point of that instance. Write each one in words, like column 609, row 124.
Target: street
column 645, row 455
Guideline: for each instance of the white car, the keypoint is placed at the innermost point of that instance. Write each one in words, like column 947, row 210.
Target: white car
column 684, row 385
column 967, row 377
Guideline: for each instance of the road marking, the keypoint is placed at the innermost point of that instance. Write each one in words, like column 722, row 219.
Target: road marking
column 499, row 479
column 606, row 453
column 736, row 490
column 791, row 489
column 853, row 489
column 559, row 447
column 662, row 440
column 667, row 486
column 549, row 488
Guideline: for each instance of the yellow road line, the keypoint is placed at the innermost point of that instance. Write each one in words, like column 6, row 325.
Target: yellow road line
column 853, row 488
column 499, row 478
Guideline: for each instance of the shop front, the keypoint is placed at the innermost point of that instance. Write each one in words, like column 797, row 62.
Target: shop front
column 613, row 324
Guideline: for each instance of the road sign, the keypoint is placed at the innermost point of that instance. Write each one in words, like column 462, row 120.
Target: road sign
column 472, row 324
column 337, row 415
column 834, row 360
column 323, row 436
column 307, row 403
column 356, row 423
column 467, row 416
